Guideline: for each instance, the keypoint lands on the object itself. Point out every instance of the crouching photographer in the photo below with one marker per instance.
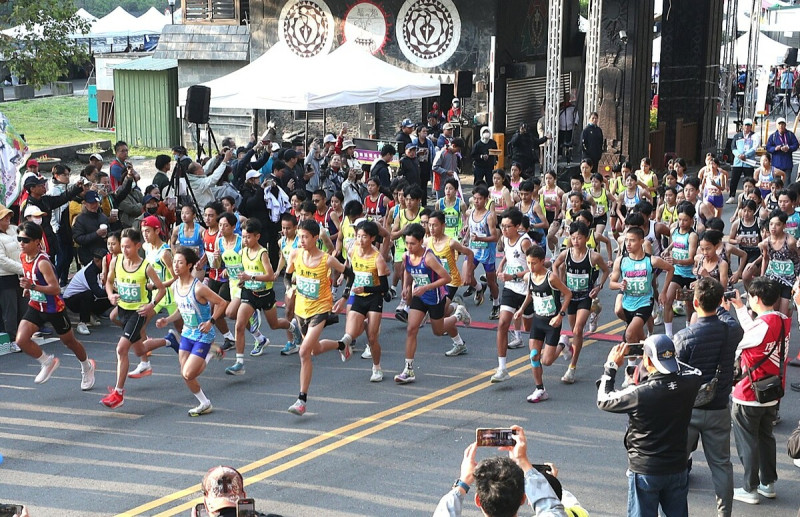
(224, 496)
(503, 484)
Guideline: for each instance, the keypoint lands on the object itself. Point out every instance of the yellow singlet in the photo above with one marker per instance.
(314, 294)
(254, 266)
(447, 256)
(365, 269)
(131, 285)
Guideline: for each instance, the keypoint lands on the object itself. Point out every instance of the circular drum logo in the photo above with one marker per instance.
(365, 25)
(428, 31)
(306, 26)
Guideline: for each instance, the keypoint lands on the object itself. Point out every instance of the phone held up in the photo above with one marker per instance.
(494, 437)
(246, 508)
(634, 350)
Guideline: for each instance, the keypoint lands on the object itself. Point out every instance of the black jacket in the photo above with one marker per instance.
(84, 232)
(47, 204)
(659, 409)
(402, 140)
(708, 343)
(409, 169)
(592, 143)
(380, 170)
(480, 149)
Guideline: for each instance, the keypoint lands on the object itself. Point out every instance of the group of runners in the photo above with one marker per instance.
(536, 249)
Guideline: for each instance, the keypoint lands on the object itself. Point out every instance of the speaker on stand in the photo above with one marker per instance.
(463, 84)
(198, 101)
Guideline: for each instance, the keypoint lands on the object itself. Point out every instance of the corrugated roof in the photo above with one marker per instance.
(147, 63)
(205, 42)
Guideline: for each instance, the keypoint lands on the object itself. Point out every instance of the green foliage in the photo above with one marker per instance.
(653, 119)
(584, 8)
(45, 53)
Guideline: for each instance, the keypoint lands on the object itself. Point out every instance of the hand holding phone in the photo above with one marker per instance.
(246, 508)
(494, 437)
(634, 350)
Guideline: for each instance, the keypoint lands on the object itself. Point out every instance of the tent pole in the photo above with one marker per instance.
(305, 137)
(324, 121)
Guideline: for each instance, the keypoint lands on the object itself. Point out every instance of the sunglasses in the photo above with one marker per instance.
(24, 240)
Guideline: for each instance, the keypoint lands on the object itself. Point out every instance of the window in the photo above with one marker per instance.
(313, 115)
(228, 12)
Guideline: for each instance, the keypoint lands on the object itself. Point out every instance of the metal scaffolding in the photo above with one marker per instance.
(592, 58)
(752, 60)
(553, 93)
(727, 74)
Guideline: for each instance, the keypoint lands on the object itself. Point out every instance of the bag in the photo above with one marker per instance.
(769, 389)
(708, 389)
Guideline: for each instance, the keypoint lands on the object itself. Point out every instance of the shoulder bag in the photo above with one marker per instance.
(769, 389)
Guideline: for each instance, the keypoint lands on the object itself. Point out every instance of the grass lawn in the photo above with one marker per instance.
(64, 120)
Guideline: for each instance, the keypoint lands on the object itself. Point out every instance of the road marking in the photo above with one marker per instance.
(342, 434)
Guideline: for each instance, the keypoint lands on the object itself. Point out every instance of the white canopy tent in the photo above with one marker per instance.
(153, 20)
(770, 52)
(117, 23)
(321, 85)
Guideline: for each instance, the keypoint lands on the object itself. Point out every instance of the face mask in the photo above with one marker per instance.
(175, 157)
(152, 210)
(37, 220)
(485, 138)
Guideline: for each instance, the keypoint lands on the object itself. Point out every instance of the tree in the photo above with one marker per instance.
(43, 52)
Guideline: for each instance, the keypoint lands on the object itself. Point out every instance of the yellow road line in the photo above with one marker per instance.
(342, 434)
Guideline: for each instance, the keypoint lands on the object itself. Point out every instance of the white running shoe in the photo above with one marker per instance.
(538, 395)
(298, 408)
(202, 409)
(658, 315)
(367, 353)
(569, 376)
(500, 375)
(14, 347)
(462, 315)
(678, 308)
(377, 375)
(87, 377)
(47, 369)
(458, 349)
(567, 353)
(81, 329)
(593, 322)
(515, 341)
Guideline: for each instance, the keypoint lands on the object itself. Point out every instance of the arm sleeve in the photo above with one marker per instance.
(541, 496)
(608, 399)
(450, 504)
(382, 288)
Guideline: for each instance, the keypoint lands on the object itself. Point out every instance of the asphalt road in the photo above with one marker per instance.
(362, 449)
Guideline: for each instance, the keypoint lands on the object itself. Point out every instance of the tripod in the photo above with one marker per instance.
(211, 138)
(187, 199)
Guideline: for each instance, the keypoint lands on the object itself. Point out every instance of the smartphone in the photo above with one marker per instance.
(494, 437)
(246, 508)
(10, 510)
(635, 350)
(541, 467)
(729, 295)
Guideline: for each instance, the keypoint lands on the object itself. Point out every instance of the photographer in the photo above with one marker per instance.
(502, 484)
(90, 228)
(223, 488)
(659, 409)
(710, 345)
(761, 356)
(201, 184)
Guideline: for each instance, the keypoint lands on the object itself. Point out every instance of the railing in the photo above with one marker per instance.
(221, 12)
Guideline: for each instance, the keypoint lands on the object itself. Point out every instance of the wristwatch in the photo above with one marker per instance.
(562, 314)
(460, 484)
(612, 365)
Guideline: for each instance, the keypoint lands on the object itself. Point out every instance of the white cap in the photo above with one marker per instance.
(97, 156)
(748, 122)
(275, 146)
(32, 210)
(329, 139)
(252, 174)
(780, 120)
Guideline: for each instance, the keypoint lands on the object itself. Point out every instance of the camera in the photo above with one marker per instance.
(729, 295)
(10, 510)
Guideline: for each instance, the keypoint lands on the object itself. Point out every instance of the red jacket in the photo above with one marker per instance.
(761, 336)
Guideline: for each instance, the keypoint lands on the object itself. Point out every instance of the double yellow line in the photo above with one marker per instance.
(342, 436)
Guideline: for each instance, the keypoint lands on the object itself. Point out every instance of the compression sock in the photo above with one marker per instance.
(501, 363)
(201, 397)
(303, 396)
(346, 340)
(240, 358)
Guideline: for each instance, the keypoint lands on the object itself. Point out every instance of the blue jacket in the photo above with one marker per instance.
(782, 159)
(746, 146)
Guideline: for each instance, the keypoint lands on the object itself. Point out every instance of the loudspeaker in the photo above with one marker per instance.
(463, 83)
(198, 99)
(791, 57)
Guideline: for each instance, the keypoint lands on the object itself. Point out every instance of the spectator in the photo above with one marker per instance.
(110, 201)
(162, 209)
(445, 165)
(163, 173)
(12, 305)
(59, 220)
(349, 160)
(409, 166)
(710, 345)
(245, 163)
(426, 151)
(85, 294)
(522, 148)
(181, 157)
(781, 144)
(659, 409)
(380, 169)
(568, 122)
(743, 146)
(455, 111)
(333, 176)
(151, 207)
(434, 125)
(90, 228)
(282, 177)
(483, 163)
(353, 188)
(296, 169)
(222, 487)
(592, 141)
(403, 136)
(202, 184)
(36, 197)
(502, 484)
(96, 160)
(446, 137)
(118, 164)
(762, 353)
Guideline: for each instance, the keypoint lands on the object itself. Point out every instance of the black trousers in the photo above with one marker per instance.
(737, 173)
(85, 305)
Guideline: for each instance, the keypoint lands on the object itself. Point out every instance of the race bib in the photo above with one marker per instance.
(234, 271)
(577, 281)
(129, 293)
(544, 305)
(363, 279)
(637, 286)
(420, 279)
(451, 221)
(308, 287)
(680, 254)
(190, 319)
(446, 264)
(514, 270)
(479, 245)
(781, 268)
(255, 285)
(38, 296)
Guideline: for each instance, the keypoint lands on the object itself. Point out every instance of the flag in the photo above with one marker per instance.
(13, 151)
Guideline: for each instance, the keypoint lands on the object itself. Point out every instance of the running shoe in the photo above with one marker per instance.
(515, 341)
(298, 408)
(367, 353)
(14, 347)
(495, 314)
(202, 409)
(458, 300)
(82, 329)
(114, 399)
(254, 323)
(377, 375)
(141, 371)
(593, 322)
(406, 377)
(731, 201)
(393, 292)
(297, 336)
(767, 491)
(48, 367)
(479, 294)
(235, 369)
(469, 292)
(401, 314)
(258, 347)
(462, 315)
(347, 353)
(94, 321)
(228, 343)
(290, 348)
(658, 315)
(387, 296)
(567, 352)
(569, 376)
(173, 340)
(742, 495)
(458, 349)
(87, 377)
(500, 375)
(538, 395)
(678, 308)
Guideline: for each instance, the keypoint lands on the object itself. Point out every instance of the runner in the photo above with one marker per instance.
(424, 281)
(602, 202)
(398, 204)
(746, 235)
(376, 205)
(529, 206)
(311, 268)
(633, 275)
(546, 291)
(288, 242)
(370, 284)
(647, 178)
(577, 265)
(194, 300)
(681, 255)
(212, 261)
(128, 274)
(499, 192)
(454, 209)
(512, 266)
(779, 259)
(483, 237)
(409, 215)
(40, 284)
(256, 281)
(515, 181)
(325, 216)
(550, 199)
(189, 233)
